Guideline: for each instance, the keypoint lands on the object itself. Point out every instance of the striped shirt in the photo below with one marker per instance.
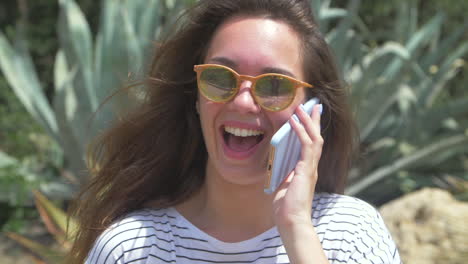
(350, 230)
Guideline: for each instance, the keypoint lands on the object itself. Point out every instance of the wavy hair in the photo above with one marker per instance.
(156, 153)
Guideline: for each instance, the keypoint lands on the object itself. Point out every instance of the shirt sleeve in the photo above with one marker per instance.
(127, 241)
(107, 249)
(373, 243)
(352, 231)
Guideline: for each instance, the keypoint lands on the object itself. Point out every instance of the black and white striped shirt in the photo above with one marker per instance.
(350, 230)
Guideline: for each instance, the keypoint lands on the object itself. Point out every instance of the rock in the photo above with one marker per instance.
(429, 226)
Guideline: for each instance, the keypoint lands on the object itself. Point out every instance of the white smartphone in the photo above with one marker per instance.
(285, 150)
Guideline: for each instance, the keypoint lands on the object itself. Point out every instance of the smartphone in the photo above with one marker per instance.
(285, 150)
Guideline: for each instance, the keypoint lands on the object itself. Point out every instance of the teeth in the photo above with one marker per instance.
(240, 132)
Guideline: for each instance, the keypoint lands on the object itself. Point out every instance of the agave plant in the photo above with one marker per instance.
(395, 82)
(405, 130)
(86, 71)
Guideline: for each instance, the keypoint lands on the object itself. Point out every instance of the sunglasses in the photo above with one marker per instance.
(272, 91)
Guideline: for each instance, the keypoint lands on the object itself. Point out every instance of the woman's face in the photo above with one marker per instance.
(250, 46)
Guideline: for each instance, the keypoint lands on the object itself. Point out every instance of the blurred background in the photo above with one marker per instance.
(404, 60)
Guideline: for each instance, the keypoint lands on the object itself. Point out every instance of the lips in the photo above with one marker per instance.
(240, 140)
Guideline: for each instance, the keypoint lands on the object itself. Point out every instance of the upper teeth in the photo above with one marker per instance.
(240, 132)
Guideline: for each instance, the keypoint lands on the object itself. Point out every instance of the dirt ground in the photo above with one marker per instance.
(12, 253)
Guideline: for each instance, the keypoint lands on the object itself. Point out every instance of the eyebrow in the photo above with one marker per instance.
(278, 70)
(223, 61)
(231, 64)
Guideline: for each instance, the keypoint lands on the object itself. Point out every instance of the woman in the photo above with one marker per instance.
(181, 178)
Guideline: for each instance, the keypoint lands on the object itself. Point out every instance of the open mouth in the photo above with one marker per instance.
(240, 139)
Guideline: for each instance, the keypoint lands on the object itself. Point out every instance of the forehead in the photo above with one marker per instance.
(256, 42)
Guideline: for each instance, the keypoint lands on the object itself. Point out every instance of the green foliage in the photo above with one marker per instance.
(57, 223)
(15, 123)
(86, 70)
(396, 86)
(410, 125)
(18, 177)
(16, 218)
(31, 155)
(82, 77)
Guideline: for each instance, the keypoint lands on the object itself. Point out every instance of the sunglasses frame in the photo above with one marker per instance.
(239, 78)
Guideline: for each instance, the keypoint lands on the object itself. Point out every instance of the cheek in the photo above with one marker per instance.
(300, 96)
(208, 112)
(279, 118)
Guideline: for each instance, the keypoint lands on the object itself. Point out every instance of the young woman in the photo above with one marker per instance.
(180, 180)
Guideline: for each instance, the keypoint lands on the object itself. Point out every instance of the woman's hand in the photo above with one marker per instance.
(292, 203)
(293, 200)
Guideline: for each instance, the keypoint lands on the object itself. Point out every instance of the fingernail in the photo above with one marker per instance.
(320, 108)
(295, 118)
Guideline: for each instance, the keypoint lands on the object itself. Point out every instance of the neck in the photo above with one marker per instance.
(228, 211)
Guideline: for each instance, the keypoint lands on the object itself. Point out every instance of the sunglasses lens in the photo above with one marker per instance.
(274, 92)
(217, 84)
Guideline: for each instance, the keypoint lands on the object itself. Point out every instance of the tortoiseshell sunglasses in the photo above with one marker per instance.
(272, 91)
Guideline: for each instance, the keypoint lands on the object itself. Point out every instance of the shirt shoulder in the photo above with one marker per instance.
(133, 237)
(341, 206)
(352, 231)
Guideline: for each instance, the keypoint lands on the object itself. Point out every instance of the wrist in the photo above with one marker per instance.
(294, 222)
(301, 242)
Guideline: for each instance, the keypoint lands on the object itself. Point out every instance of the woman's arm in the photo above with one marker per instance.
(302, 244)
(293, 201)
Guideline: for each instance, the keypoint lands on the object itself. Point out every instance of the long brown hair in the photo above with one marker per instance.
(156, 153)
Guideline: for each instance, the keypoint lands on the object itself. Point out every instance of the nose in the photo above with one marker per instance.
(244, 102)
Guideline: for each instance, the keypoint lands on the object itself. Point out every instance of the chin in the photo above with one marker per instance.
(243, 175)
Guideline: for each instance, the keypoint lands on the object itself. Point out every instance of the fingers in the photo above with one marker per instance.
(309, 130)
(281, 192)
(293, 199)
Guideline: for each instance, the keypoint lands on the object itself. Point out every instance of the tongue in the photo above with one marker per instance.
(241, 143)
